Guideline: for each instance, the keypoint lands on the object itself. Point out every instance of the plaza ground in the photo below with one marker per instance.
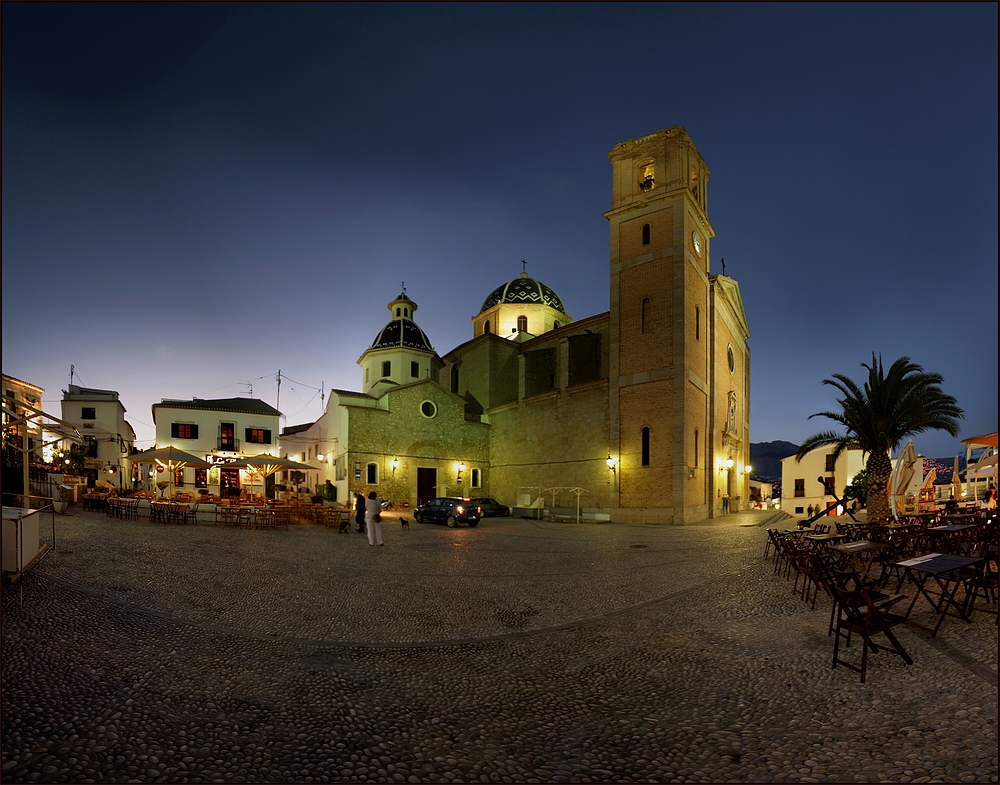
(518, 651)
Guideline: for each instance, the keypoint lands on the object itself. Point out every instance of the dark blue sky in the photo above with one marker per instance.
(196, 196)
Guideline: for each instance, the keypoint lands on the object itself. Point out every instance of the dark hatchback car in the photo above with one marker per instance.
(491, 508)
(448, 510)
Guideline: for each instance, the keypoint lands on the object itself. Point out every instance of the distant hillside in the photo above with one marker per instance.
(765, 458)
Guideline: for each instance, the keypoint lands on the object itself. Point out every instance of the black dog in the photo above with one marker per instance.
(405, 524)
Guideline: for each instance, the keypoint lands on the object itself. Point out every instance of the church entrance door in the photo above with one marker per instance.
(426, 484)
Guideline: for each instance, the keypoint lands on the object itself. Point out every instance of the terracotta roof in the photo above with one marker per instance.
(241, 405)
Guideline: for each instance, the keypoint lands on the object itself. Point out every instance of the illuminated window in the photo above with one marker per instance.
(645, 446)
(179, 477)
(386, 369)
(645, 234)
(183, 430)
(201, 478)
(522, 324)
(258, 435)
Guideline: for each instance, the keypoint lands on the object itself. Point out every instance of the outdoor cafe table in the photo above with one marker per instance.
(818, 539)
(948, 572)
(858, 556)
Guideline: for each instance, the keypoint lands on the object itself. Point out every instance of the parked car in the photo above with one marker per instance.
(450, 510)
(491, 507)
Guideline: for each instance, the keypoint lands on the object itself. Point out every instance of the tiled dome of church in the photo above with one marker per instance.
(402, 332)
(523, 290)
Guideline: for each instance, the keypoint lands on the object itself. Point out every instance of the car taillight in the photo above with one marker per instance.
(460, 509)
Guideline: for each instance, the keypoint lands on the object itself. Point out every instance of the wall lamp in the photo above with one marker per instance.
(612, 464)
(461, 468)
(395, 465)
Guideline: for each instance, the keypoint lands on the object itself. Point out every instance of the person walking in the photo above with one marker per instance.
(359, 512)
(373, 519)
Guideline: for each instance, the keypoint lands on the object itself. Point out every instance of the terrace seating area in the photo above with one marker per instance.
(916, 571)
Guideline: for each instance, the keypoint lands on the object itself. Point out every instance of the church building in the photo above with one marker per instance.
(640, 413)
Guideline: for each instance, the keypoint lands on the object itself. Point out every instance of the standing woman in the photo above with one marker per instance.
(373, 519)
(359, 512)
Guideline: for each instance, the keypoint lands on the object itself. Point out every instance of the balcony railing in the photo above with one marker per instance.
(229, 444)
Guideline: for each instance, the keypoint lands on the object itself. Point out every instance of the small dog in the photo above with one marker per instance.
(345, 525)
(405, 524)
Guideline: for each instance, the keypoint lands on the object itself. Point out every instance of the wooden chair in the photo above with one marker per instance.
(281, 519)
(858, 612)
(265, 519)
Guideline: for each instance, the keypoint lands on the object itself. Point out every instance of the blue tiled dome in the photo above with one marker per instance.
(523, 290)
(402, 332)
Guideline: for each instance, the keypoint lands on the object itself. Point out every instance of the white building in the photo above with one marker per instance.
(801, 485)
(806, 483)
(16, 391)
(220, 431)
(100, 418)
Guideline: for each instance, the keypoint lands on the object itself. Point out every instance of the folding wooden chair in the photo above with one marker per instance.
(859, 613)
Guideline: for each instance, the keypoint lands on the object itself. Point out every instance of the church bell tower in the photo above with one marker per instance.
(660, 368)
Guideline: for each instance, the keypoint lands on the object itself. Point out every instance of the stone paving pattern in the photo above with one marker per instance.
(518, 651)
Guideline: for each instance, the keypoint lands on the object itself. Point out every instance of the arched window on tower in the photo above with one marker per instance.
(386, 369)
(454, 379)
(486, 327)
(645, 446)
(696, 448)
(647, 174)
(645, 234)
(697, 323)
(644, 315)
(522, 324)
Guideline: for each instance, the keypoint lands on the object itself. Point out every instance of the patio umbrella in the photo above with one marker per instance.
(901, 477)
(266, 465)
(171, 459)
(956, 481)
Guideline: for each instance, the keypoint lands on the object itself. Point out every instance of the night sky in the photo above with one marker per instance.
(196, 196)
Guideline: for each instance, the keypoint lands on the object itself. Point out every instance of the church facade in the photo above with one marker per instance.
(640, 413)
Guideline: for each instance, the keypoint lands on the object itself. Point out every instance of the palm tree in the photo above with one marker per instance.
(891, 407)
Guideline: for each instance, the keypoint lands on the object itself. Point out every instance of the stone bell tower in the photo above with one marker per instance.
(660, 392)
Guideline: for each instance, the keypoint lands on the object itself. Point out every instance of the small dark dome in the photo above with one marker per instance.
(402, 332)
(523, 290)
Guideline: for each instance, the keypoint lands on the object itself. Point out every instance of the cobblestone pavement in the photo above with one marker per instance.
(518, 651)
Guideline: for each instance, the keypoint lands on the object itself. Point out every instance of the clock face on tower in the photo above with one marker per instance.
(696, 242)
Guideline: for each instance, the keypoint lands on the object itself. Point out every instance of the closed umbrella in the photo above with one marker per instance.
(171, 459)
(901, 477)
(956, 482)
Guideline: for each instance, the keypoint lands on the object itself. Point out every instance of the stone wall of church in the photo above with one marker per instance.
(652, 485)
(378, 436)
(646, 335)
(559, 438)
(732, 483)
